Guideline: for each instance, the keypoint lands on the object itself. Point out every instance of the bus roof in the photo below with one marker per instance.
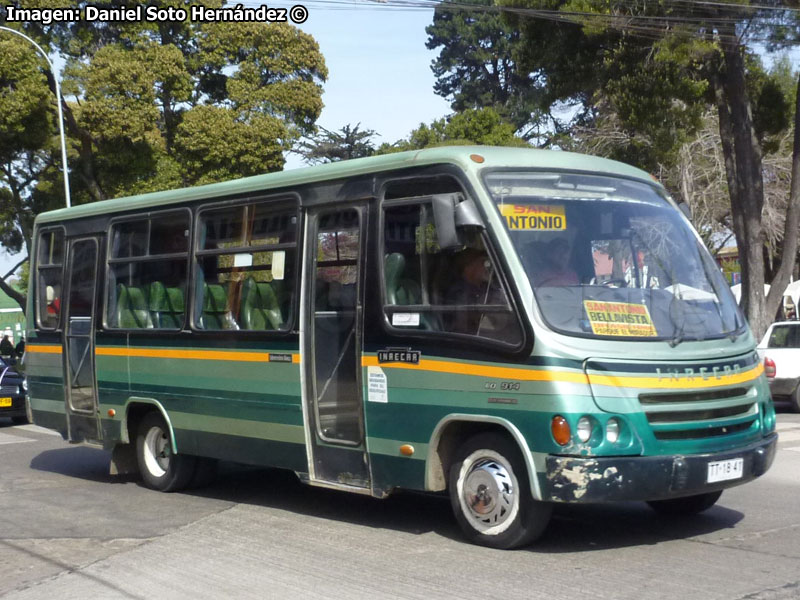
(459, 155)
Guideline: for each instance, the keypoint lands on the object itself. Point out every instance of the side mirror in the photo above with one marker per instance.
(467, 215)
(452, 214)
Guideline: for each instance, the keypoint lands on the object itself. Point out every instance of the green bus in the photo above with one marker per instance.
(514, 327)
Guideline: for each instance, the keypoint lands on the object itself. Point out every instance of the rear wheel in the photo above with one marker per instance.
(688, 505)
(159, 467)
(491, 495)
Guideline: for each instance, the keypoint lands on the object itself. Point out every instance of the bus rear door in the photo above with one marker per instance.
(81, 388)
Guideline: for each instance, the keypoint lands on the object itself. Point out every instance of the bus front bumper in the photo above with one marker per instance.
(609, 479)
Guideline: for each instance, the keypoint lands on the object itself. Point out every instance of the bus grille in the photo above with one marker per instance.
(680, 416)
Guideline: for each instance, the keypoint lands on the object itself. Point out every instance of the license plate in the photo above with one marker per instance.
(5, 402)
(723, 470)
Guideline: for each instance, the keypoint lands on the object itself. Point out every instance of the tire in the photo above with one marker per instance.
(688, 505)
(23, 420)
(491, 496)
(159, 467)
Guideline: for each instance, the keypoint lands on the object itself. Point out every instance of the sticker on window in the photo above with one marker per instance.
(278, 264)
(405, 319)
(619, 318)
(243, 260)
(534, 217)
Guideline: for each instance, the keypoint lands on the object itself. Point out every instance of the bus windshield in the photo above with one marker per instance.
(610, 257)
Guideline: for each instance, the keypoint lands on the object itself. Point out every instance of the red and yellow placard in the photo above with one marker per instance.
(534, 217)
(619, 318)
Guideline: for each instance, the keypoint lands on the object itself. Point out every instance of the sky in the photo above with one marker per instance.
(379, 73)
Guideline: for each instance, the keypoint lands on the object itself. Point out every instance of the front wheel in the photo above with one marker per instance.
(159, 467)
(688, 505)
(491, 496)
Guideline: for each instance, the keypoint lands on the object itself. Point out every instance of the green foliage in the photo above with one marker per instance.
(344, 144)
(27, 131)
(477, 64)
(216, 144)
(655, 77)
(25, 101)
(483, 127)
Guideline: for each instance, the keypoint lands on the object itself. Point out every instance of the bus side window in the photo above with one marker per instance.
(148, 263)
(49, 269)
(245, 260)
(427, 289)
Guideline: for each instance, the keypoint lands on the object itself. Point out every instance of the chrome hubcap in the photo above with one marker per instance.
(488, 493)
(157, 451)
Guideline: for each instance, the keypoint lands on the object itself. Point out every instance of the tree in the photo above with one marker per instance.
(477, 66)
(483, 127)
(27, 146)
(331, 146)
(658, 65)
(151, 106)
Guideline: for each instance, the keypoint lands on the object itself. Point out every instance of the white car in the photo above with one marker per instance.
(780, 351)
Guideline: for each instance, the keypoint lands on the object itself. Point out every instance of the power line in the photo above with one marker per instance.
(696, 16)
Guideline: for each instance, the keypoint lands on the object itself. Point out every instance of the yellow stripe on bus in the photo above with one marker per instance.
(42, 349)
(441, 366)
(190, 354)
(692, 382)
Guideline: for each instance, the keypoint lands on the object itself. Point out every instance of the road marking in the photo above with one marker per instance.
(794, 449)
(7, 438)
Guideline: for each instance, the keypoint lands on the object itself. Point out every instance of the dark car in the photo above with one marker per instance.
(12, 393)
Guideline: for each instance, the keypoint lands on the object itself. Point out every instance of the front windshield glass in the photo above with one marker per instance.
(610, 257)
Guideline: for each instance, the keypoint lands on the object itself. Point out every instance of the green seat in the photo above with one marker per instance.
(216, 313)
(166, 306)
(398, 290)
(394, 265)
(132, 311)
(260, 307)
(405, 292)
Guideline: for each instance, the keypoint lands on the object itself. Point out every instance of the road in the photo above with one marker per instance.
(70, 530)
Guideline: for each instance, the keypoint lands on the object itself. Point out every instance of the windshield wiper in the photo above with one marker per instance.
(678, 337)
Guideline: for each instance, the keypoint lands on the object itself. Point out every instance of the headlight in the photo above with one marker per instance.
(584, 429)
(612, 430)
(24, 386)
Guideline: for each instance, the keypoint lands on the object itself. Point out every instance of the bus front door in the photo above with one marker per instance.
(331, 348)
(81, 392)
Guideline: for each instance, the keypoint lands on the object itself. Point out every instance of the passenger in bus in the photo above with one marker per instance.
(555, 269)
(53, 302)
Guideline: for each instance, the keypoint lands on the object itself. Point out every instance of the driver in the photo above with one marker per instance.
(556, 270)
(470, 290)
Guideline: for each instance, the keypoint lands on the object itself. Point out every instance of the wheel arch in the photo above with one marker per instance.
(135, 410)
(453, 430)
